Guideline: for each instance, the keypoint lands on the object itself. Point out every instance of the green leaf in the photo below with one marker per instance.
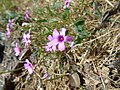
(75, 29)
(10, 14)
(57, 5)
(78, 26)
(79, 22)
(53, 20)
(43, 20)
(67, 10)
(64, 16)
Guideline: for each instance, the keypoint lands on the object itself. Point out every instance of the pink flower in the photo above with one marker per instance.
(8, 31)
(28, 66)
(45, 75)
(66, 3)
(10, 22)
(26, 15)
(9, 27)
(26, 38)
(57, 39)
(17, 50)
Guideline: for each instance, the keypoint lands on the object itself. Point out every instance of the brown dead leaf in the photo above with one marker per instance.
(74, 80)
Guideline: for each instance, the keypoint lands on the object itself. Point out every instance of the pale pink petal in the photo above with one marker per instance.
(26, 15)
(25, 66)
(71, 44)
(62, 31)
(8, 34)
(27, 35)
(68, 38)
(8, 31)
(54, 48)
(54, 42)
(30, 70)
(17, 50)
(55, 33)
(48, 48)
(50, 37)
(61, 46)
(27, 61)
(45, 75)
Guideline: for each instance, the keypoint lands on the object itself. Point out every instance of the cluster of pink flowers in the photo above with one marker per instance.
(26, 40)
(57, 40)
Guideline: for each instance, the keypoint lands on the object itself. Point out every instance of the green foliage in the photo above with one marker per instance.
(65, 14)
(78, 28)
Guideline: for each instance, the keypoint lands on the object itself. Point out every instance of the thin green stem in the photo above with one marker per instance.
(60, 76)
(3, 72)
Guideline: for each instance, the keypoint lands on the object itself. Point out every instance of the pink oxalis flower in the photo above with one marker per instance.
(9, 27)
(26, 38)
(17, 50)
(10, 22)
(66, 3)
(45, 75)
(57, 39)
(28, 66)
(8, 31)
(26, 15)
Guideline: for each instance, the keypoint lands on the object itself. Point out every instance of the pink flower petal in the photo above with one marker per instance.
(17, 50)
(54, 42)
(62, 31)
(27, 61)
(45, 75)
(26, 15)
(28, 35)
(50, 37)
(68, 38)
(71, 44)
(30, 70)
(61, 46)
(55, 33)
(54, 48)
(26, 66)
(48, 48)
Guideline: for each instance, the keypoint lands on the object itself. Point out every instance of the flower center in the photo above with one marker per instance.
(60, 38)
(67, 3)
(27, 38)
(30, 65)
